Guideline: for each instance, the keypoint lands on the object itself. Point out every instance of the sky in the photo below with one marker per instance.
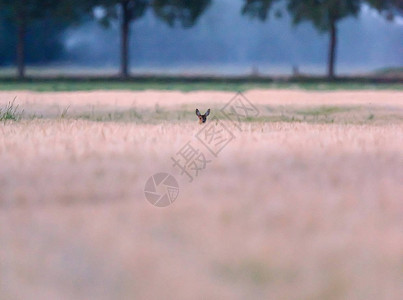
(225, 42)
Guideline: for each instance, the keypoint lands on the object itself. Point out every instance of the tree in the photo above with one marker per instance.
(24, 13)
(128, 11)
(325, 14)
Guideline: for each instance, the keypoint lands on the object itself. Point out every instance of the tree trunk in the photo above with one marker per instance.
(332, 51)
(21, 50)
(124, 64)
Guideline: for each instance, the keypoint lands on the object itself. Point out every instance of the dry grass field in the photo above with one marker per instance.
(306, 202)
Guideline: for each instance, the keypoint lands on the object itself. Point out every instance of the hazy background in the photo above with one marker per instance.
(222, 42)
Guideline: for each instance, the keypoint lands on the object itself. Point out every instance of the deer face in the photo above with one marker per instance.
(202, 118)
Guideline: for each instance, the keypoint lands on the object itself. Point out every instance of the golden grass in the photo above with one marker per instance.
(290, 209)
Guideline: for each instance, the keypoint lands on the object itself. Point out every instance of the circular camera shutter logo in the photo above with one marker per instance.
(161, 189)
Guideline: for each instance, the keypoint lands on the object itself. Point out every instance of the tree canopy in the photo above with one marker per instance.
(258, 8)
(134, 9)
(323, 13)
(388, 8)
(183, 12)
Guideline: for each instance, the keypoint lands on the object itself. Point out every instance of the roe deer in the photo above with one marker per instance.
(202, 118)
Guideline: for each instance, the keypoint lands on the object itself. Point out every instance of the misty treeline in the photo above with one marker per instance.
(30, 30)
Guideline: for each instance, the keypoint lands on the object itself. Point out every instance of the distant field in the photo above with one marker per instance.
(191, 85)
(304, 202)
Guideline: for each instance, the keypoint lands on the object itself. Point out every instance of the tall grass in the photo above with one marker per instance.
(296, 202)
(11, 111)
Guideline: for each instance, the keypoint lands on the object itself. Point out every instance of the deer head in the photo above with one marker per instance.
(202, 118)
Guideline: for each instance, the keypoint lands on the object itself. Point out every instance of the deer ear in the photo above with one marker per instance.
(207, 112)
(197, 112)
